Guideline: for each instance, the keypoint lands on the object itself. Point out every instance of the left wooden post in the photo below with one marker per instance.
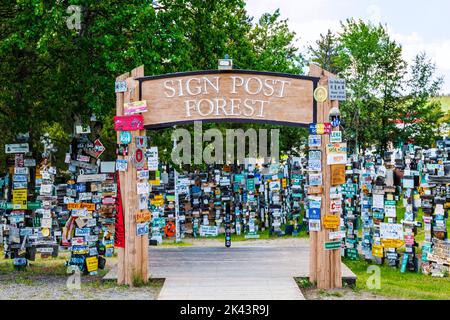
(133, 259)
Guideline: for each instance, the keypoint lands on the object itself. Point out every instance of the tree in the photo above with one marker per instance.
(372, 65)
(53, 76)
(422, 112)
(326, 53)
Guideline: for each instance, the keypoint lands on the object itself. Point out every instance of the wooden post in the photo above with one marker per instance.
(121, 251)
(133, 263)
(325, 265)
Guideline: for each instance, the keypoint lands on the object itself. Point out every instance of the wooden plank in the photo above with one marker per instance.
(120, 251)
(236, 96)
(325, 265)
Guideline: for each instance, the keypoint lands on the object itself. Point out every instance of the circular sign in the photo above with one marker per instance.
(321, 94)
(45, 232)
(125, 137)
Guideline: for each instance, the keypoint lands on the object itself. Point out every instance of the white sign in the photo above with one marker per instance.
(152, 161)
(17, 148)
(337, 235)
(143, 188)
(206, 231)
(336, 137)
(337, 89)
(315, 179)
(314, 225)
(391, 231)
(91, 178)
(121, 86)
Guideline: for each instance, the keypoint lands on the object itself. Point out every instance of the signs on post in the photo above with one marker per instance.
(333, 245)
(336, 137)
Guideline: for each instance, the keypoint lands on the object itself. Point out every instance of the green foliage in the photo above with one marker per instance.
(51, 74)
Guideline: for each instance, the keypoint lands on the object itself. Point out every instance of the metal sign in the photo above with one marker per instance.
(98, 148)
(17, 148)
(333, 245)
(337, 89)
(125, 137)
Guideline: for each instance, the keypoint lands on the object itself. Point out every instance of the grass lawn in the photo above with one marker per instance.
(409, 285)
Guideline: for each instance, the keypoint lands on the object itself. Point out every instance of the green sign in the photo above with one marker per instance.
(250, 184)
(334, 245)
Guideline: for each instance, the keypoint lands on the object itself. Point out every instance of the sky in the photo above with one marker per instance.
(416, 24)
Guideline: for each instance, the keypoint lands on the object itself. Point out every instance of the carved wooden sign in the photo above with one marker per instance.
(235, 96)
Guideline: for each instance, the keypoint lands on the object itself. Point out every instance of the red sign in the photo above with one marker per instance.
(129, 123)
(119, 238)
(328, 128)
(98, 148)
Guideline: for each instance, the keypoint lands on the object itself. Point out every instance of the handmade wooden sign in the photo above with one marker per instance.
(246, 96)
(129, 123)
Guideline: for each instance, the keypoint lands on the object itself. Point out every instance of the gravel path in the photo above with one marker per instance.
(33, 287)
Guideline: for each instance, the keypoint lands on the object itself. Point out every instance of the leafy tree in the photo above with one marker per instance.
(373, 67)
(326, 53)
(422, 112)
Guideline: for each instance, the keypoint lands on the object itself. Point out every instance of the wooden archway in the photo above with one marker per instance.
(223, 96)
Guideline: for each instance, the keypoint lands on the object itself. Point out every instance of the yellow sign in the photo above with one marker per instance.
(377, 250)
(331, 222)
(392, 243)
(92, 264)
(19, 199)
(283, 183)
(321, 94)
(155, 182)
(82, 205)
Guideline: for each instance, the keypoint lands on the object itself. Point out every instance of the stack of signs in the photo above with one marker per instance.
(313, 203)
(90, 200)
(350, 214)
(366, 214)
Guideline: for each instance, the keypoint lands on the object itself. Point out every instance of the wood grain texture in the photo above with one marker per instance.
(229, 96)
(120, 251)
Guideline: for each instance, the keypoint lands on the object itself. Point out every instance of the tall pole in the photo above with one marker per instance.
(177, 206)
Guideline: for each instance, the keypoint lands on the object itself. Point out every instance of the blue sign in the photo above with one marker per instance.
(80, 187)
(312, 128)
(125, 137)
(314, 214)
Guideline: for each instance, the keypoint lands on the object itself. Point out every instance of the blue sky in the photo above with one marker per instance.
(416, 25)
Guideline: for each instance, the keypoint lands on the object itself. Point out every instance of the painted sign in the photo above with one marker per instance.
(337, 174)
(245, 95)
(331, 222)
(135, 107)
(320, 128)
(99, 148)
(377, 251)
(92, 264)
(139, 159)
(143, 216)
(142, 229)
(337, 153)
(129, 123)
(152, 159)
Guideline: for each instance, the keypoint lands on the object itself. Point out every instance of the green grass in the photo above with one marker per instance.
(409, 285)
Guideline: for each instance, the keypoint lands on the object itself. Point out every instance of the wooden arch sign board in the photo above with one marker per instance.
(209, 96)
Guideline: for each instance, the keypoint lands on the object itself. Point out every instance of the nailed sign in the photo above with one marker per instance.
(131, 122)
(17, 148)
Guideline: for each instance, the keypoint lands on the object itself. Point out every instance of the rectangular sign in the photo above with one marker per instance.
(17, 148)
(129, 123)
(135, 107)
(333, 245)
(337, 153)
(337, 89)
(243, 95)
(120, 86)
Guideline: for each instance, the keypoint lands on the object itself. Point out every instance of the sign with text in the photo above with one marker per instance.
(337, 89)
(247, 96)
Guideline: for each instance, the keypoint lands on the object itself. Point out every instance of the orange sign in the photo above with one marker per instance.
(315, 190)
(337, 174)
(81, 205)
(143, 216)
(331, 222)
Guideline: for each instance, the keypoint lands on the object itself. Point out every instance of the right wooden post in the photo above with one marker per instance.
(325, 265)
